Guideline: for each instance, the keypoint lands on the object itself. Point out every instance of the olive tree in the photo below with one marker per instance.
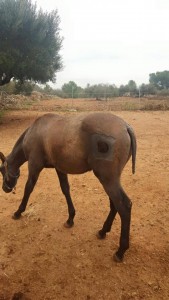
(30, 42)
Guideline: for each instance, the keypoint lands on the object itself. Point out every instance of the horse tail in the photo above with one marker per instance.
(133, 146)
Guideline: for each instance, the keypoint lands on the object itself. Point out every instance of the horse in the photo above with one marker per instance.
(74, 144)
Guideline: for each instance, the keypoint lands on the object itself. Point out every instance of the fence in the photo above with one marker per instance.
(83, 104)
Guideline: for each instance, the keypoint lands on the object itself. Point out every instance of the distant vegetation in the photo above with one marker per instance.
(158, 86)
(30, 45)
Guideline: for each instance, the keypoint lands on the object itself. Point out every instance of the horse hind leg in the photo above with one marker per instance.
(119, 202)
(123, 206)
(108, 223)
(64, 184)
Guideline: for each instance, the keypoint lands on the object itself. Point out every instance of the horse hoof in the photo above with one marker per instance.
(100, 236)
(16, 216)
(68, 225)
(116, 258)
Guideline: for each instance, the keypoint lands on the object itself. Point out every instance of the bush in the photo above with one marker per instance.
(164, 92)
(60, 94)
(8, 88)
(25, 88)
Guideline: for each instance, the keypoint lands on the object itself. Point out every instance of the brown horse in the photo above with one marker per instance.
(101, 142)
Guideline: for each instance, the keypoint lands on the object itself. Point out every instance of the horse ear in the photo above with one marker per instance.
(2, 157)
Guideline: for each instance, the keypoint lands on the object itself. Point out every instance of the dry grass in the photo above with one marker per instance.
(131, 104)
(112, 104)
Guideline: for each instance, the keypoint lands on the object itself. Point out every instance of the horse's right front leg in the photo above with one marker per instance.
(64, 184)
(32, 179)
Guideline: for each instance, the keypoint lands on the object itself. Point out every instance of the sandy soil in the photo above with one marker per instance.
(42, 260)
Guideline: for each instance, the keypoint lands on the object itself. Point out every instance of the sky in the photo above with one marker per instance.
(111, 41)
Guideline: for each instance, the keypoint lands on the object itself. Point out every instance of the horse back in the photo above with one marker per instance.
(76, 143)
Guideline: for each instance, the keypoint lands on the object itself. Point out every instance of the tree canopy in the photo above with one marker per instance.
(29, 42)
(71, 89)
(160, 79)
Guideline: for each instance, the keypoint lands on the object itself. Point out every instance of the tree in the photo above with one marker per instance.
(71, 90)
(48, 90)
(132, 87)
(148, 89)
(29, 42)
(160, 79)
(112, 91)
(101, 91)
(25, 88)
(123, 89)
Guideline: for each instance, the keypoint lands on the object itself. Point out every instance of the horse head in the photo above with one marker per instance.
(9, 179)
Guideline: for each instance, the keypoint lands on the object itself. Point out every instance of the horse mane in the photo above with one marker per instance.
(19, 141)
(17, 152)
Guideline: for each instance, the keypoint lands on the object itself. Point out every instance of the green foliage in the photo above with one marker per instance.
(148, 89)
(104, 91)
(163, 92)
(16, 87)
(60, 93)
(123, 89)
(99, 91)
(128, 89)
(38, 88)
(71, 90)
(30, 42)
(160, 79)
(132, 87)
(48, 90)
(8, 88)
(25, 88)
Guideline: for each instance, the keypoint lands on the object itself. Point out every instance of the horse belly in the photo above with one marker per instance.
(71, 165)
(71, 156)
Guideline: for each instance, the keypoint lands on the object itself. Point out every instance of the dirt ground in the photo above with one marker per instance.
(42, 260)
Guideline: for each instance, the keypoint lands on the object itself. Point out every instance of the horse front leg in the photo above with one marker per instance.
(64, 184)
(30, 184)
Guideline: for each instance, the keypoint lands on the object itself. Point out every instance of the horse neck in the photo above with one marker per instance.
(17, 157)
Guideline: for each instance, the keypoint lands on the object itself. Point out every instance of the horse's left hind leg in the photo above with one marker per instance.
(108, 223)
(121, 204)
(124, 209)
(64, 184)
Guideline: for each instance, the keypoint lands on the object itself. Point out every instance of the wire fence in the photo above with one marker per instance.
(111, 104)
(35, 102)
